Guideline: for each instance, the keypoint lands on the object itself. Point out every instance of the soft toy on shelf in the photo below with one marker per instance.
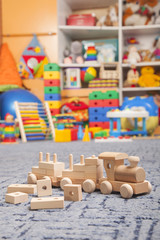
(135, 13)
(148, 78)
(111, 17)
(74, 54)
(145, 55)
(156, 52)
(153, 8)
(107, 53)
(132, 78)
(133, 55)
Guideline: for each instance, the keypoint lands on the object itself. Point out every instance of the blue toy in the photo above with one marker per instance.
(8, 98)
(141, 102)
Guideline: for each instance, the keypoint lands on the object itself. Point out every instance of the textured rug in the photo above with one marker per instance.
(97, 216)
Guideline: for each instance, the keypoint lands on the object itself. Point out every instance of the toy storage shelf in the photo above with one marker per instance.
(141, 30)
(62, 65)
(67, 34)
(135, 89)
(89, 32)
(141, 64)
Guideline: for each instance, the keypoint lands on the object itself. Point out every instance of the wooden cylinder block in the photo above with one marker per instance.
(129, 174)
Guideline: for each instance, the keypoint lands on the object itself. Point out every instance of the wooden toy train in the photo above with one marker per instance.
(127, 180)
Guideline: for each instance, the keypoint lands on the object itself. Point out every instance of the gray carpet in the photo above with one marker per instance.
(97, 216)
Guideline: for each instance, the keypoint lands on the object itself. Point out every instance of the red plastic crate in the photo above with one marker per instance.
(81, 20)
(52, 83)
(111, 103)
(96, 103)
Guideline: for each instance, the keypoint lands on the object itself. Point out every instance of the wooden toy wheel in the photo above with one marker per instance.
(106, 187)
(89, 186)
(65, 181)
(32, 179)
(126, 191)
(149, 187)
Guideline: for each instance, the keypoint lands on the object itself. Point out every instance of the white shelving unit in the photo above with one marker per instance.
(67, 34)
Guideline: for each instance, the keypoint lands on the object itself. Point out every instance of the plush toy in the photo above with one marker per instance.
(156, 52)
(145, 55)
(135, 13)
(132, 78)
(106, 53)
(154, 9)
(133, 55)
(74, 55)
(148, 78)
(111, 17)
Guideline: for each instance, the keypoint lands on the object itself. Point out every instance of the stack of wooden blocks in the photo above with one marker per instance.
(52, 92)
(99, 104)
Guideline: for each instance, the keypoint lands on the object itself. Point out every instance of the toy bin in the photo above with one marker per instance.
(81, 20)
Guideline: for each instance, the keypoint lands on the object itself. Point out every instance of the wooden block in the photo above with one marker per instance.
(44, 187)
(38, 170)
(46, 165)
(79, 167)
(16, 197)
(92, 161)
(91, 169)
(90, 175)
(24, 188)
(71, 174)
(113, 156)
(72, 192)
(47, 203)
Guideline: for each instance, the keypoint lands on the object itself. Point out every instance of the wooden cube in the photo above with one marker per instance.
(25, 188)
(72, 192)
(44, 187)
(16, 197)
(47, 203)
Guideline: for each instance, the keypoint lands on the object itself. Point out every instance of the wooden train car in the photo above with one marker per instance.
(127, 180)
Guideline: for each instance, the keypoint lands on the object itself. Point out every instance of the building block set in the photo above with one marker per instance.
(99, 104)
(86, 175)
(52, 92)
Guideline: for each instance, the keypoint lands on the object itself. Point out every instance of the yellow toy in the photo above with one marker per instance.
(148, 78)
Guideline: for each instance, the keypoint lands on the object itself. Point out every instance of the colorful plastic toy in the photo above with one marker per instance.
(88, 74)
(139, 103)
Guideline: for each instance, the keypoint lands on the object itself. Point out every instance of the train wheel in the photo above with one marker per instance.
(65, 181)
(89, 186)
(149, 187)
(32, 179)
(106, 187)
(126, 191)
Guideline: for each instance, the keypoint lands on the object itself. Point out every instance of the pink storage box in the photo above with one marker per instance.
(81, 20)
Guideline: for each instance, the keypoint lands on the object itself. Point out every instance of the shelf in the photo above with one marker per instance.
(135, 89)
(89, 4)
(141, 30)
(89, 32)
(63, 65)
(141, 64)
(82, 92)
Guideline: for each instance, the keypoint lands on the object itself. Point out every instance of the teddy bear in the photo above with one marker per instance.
(74, 54)
(148, 78)
(132, 78)
(111, 17)
(135, 13)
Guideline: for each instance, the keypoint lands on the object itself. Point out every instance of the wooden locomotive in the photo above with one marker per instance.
(127, 180)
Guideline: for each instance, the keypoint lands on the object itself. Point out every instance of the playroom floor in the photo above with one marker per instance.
(97, 216)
